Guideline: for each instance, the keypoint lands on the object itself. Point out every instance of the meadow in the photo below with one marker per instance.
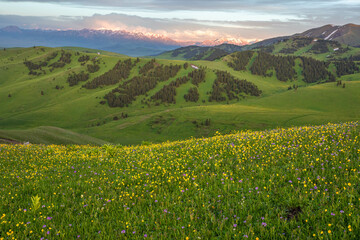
(66, 114)
(285, 183)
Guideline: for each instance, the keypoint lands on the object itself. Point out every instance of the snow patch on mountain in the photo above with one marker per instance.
(331, 34)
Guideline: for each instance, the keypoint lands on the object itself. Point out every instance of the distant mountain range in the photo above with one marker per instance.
(139, 44)
(132, 44)
(303, 42)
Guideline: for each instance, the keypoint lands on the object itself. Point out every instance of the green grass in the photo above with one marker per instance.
(295, 183)
(77, 109)
(49, 135)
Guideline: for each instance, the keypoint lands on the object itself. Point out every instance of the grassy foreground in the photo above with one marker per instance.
(295, 183)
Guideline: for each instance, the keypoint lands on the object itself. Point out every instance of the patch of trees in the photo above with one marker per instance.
(289, 50)
(153, 73)
(319, 47)
(163, 72)
(300, 42)
(225, 83)
(84, 58)
(93, 68)
(149, 65)
(315, 71)
(267, 49)
(74, 78)
(192, 95)
(240, 60)
(345, 68)
(283, 66)
(64, 59)
(120, 71)
(38, 66)
(168, 93)
(216, 54)
(210, 54)
(34, 66)
(51, 56)
(354, 58)
(198, 76)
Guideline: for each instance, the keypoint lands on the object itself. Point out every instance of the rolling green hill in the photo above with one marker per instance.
(129, 100)
(200, 53)
(312, 47)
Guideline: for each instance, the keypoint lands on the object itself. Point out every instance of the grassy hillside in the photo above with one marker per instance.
(200, 53)
(295, 183)
(312, 47)
(157, 111)
(47, 135)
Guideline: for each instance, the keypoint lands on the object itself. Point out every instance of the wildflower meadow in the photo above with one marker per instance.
(294, 183)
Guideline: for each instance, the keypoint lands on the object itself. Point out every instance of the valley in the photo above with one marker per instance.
(124, 100)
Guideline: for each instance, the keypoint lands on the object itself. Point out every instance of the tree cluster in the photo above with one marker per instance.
(345, 68)
(192, 95)
(38, 66)
(164, 72)
(267, 49)
(210, 54)
(84, 58)
(64, 59)
(93, 68)
(319, 47)
(74, 78)
(198, 76)
(225, 83)
(283, 66)
(120, 71)
(316, 71)
(152, 73)
(149, 65)
(168, 93)
(240, 60)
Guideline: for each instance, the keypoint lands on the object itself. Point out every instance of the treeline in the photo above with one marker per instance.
(240, 60)
(120, 71)
(38, 66)
(64, 59)
(319, 47)
(198, 76)
(84, 58)
(192, 95)
(152, 73)
(315, 71)
(94, 67)
(149, 65)
(164, 72)
(345, 68)
(74, 78)
(168, 93)
(283, 66)
(213, 54)
(225, 83)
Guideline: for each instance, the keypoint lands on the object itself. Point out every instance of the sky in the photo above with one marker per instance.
(182, 20)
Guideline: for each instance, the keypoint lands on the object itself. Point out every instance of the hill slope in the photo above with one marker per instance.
(115, 98)
(348, 34)
(200, 53)
(293, 183)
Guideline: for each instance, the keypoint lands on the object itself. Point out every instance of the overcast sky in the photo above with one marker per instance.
(192, 20)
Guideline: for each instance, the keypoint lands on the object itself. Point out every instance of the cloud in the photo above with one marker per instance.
(194, 20)
(196, 5)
